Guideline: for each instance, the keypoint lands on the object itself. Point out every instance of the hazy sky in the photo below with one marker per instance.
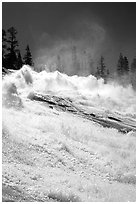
(109, 28)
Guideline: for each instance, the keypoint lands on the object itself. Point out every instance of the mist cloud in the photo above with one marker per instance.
(84, 35)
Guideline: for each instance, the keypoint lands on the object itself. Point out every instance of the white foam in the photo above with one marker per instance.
(107, 96)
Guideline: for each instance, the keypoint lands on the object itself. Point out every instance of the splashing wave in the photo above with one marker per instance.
(84, 90)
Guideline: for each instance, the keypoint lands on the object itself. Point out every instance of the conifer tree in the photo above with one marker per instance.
(133, 73)
(19, 60)
(120, 65)
(12, 48)
(133, 66)
(28, 57)
(4, 46)
(101, 69)
(108, 72)
(102, 72)
(97, 74)
(125, 65)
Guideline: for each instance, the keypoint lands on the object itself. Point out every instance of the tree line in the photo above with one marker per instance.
(124, 71)
(12, 59)
(11, 55)
(123, 67)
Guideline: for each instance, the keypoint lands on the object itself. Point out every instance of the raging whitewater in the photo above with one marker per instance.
(67, 138)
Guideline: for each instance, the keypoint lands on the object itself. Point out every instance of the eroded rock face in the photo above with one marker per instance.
(66, 105)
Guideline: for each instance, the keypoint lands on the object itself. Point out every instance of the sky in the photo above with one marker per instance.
(101, 28)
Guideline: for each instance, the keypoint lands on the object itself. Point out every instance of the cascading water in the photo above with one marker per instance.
(85, 90)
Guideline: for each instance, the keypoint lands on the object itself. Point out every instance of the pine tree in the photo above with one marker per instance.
(125, 65)
(4, 46)
(97, 74)
(120, 65)
(133, 73)
(12, 48)
(28, 57)
(19, 62)
(108, 72)
(102, 72)
(133, 66)
(102, 67)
